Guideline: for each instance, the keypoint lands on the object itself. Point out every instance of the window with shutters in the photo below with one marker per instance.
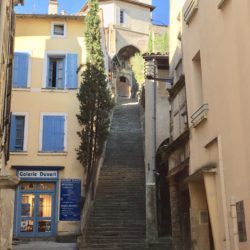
(53, 133)
(56, 72)
(18, 133)
(62, 71)
(20, 75)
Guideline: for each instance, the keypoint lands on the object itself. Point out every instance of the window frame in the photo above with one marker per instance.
(52, 29)
(65, 141)
(122, 17)
(25, 136)
(46, 64)
(57, 59)
(29, 52)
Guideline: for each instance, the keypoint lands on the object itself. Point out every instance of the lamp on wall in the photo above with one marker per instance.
(150, 69)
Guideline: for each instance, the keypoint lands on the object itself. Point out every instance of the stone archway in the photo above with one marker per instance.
(124, 81)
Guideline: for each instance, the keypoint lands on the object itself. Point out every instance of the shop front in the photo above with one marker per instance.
(36, 203)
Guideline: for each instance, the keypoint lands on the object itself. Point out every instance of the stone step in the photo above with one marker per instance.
(118, 218)
(128, 246)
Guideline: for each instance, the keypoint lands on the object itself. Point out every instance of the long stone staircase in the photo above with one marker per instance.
(117, 220)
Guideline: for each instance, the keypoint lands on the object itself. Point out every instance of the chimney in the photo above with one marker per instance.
(53, 7)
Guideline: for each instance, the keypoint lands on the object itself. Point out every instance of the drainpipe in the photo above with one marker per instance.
(151, 210)
(223, 194)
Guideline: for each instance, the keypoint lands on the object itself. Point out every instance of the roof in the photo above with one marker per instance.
(162, 59)
(151, 7)
(57, 16)
(158, 55)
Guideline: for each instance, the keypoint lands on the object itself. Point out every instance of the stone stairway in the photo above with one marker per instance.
(117, 220)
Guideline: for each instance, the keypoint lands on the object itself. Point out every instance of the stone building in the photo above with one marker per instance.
(8, 183)
(127, 26)
(216, 53)
(156, 133)
(211, 38)
(175, 152)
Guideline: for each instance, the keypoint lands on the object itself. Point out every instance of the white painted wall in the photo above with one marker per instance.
(145, 1)
(137, 18)
(108, 13)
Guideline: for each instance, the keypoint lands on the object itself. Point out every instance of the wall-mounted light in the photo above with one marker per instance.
(150, 69)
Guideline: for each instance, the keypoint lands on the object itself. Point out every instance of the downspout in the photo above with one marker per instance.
(154, 118)
(223, 194)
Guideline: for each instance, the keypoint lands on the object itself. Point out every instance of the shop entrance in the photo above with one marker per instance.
(36, 209)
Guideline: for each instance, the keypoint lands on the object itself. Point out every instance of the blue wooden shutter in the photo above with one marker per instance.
(53, 134)
(49, 73)
(71, 75)
(13, 133)
(20, 70)
(59, 133)
(60, 73)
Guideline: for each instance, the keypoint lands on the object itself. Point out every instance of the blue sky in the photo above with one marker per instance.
(160, 14)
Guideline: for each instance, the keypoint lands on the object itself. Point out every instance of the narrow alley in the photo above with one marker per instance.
(118, 217)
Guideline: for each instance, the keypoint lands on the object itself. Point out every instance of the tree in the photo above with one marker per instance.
(94, 98)
(137, 65)
(158, 43)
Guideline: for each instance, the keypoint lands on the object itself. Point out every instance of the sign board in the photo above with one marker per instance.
(37, 174)
(70, 199)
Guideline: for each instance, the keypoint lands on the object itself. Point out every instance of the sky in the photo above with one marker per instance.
(160, 14)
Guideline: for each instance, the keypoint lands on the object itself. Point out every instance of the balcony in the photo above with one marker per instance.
(190, 10)
(199, 116)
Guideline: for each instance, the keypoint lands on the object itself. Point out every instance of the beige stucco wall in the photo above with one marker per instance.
(221, 36)
(35, 100)
(175, 50)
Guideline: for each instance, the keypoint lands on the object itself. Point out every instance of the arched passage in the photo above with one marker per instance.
(123, 86)
(125, 82)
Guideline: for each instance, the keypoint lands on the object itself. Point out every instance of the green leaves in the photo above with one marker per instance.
(94, 98)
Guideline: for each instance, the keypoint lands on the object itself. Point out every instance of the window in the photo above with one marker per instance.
(197, 79)
(53, 133)
(121, 16)
(62, 71)
(20, 70)
(56, 72)
(58, 29)
(18, 133)
(122, 79)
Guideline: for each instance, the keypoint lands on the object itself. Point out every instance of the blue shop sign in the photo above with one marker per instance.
(70, 200)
